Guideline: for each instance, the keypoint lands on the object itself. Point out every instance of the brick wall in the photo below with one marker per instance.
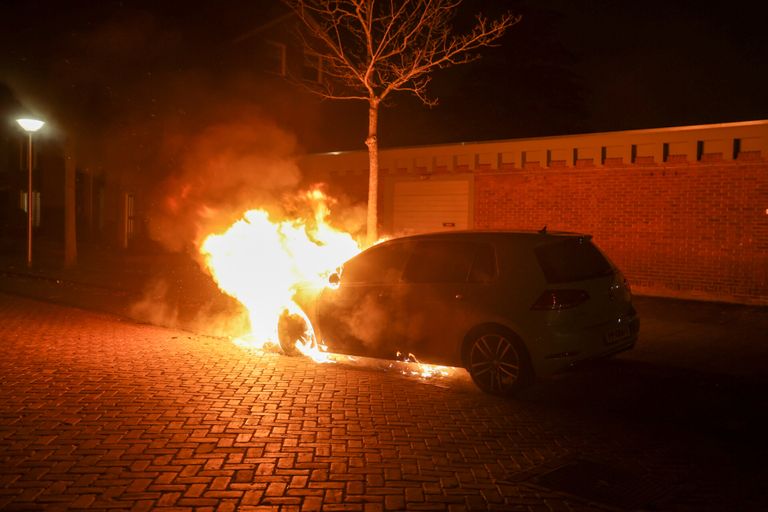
(679, 229)
(682, 210)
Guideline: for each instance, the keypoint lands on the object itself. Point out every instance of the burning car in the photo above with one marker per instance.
(507, 306)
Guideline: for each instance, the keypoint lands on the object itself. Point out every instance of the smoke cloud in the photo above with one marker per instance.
(173, 111)
(224, 170)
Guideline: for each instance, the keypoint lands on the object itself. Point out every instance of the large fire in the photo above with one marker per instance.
(263, 263)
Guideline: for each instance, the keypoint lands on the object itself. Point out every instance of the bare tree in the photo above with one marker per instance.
(369, 49)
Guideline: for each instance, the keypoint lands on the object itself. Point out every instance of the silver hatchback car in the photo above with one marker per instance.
(507, 306)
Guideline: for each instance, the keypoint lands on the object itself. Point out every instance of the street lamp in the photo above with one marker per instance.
(30, 126)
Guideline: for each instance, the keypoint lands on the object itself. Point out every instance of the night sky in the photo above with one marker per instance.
(569, 67)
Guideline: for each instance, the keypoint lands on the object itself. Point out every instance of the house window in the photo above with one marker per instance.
(130, 219)
(100, 208)
(274, 58)
(312, 68)
(35, 206)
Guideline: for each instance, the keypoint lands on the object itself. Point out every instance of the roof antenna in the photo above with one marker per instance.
(543, 231)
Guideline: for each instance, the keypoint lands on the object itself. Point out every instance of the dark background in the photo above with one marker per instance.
(569, 67)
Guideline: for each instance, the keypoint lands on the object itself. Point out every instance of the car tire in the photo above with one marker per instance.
(497, 361)
(290, 328)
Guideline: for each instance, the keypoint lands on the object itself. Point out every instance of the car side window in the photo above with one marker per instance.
(445, 261)
(484, 268)
(379, 264)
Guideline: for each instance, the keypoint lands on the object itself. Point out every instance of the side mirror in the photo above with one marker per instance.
(334, 279)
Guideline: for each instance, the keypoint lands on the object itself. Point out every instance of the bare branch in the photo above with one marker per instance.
(371, 48)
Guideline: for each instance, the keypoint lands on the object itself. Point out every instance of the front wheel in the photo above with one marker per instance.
(497, 361)
(291, 328)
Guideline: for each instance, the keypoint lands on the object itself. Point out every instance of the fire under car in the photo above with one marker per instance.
(509, 307)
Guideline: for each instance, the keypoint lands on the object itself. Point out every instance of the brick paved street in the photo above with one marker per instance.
(100, 413)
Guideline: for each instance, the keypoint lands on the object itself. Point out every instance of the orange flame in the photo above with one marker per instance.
(263, 263)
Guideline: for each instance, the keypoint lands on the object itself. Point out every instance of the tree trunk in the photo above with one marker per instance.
(70, 219)
(373, 172)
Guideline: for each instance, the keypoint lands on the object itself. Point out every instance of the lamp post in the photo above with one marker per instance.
(30, 126)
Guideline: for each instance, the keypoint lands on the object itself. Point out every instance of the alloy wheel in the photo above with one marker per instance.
(494, 363)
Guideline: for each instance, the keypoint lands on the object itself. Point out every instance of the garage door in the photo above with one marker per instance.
(432, 205)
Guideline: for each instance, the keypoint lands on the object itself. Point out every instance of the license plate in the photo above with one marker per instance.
(616, 334)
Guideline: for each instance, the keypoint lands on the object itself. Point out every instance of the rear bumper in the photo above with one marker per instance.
(566, 351)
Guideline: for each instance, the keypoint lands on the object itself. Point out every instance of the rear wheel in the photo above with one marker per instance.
(497, 361)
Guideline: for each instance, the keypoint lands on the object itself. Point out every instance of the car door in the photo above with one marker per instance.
(355, 318)
(446, 286)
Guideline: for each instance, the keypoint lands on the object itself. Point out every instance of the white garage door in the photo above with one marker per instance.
(432, 205)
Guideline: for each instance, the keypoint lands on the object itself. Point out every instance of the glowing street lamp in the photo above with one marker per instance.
(30, 126)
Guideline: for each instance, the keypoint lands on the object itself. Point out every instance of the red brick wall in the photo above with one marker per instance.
(690, 230)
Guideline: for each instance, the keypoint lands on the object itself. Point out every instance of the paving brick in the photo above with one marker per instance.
(100, 413)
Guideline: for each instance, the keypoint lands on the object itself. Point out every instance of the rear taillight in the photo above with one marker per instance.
(560, 299)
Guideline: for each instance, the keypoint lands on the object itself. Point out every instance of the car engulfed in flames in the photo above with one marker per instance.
(506, 306)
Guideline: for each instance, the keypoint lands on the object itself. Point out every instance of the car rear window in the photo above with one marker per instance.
(447, 261)
(572, 259)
